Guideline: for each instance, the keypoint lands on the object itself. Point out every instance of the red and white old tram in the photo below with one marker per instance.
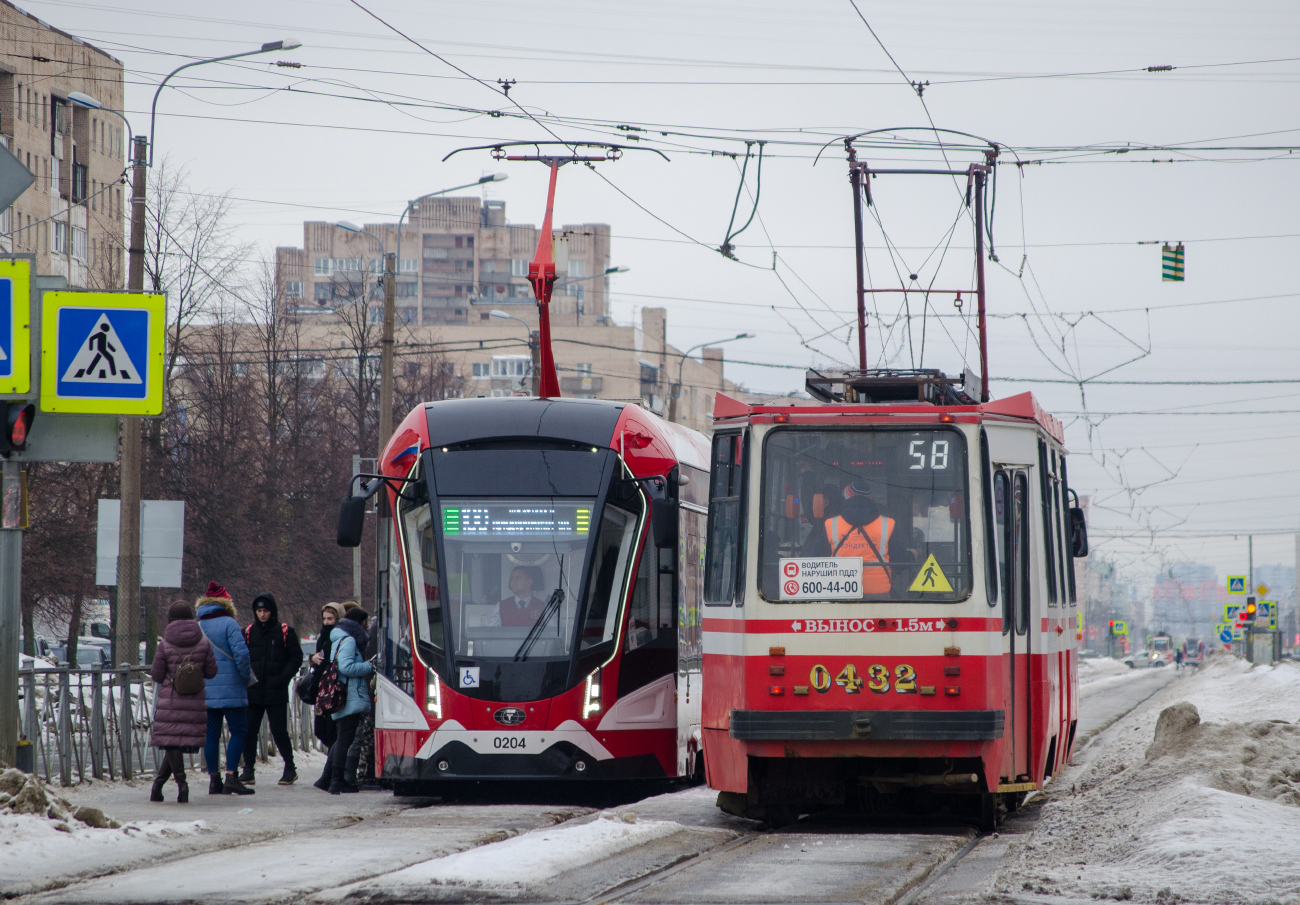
(890, 600)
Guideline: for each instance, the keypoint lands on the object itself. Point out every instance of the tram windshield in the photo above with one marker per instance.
(868, 514)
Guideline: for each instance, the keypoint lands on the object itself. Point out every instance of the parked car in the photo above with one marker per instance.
(88, 655)
(1089, 655)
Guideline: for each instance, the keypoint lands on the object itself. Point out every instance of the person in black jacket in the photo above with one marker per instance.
(276, 655)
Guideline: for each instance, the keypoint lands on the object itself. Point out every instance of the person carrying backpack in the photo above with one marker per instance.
(275, 655)
(348, 677)
(227, 694)
(184, 660)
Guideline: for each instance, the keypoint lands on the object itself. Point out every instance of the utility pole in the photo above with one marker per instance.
(979, 283)
(383, 523)
(126, 611)
(11, 581)
(855, 179)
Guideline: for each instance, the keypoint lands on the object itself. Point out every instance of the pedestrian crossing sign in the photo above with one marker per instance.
(15, 327)
(1236, 584)
(102, 352)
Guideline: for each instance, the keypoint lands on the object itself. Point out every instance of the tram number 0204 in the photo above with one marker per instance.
(877, 679)
(509, 741)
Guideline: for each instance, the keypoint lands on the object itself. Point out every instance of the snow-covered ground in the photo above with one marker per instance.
(1195, 798)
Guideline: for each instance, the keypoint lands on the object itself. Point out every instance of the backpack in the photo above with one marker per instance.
(284, 633)
(188, 680)
(332, 689)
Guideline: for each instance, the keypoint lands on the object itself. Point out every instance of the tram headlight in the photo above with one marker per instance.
(433, 699)
(591, 695)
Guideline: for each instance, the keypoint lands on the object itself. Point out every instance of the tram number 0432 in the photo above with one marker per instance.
(509, 741)
(877, 679)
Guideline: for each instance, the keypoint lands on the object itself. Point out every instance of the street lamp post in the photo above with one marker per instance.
(534, 366)
(126, 613)
(677, 387)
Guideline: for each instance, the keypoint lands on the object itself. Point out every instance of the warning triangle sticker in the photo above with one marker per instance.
(931, 578)
(102, 358)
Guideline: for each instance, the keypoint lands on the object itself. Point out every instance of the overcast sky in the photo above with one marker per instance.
(363, 125)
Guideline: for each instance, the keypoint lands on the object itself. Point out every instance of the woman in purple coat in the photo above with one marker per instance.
(180, 723)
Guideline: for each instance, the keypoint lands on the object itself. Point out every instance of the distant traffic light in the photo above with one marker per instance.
(1248, 611)
(18, 418)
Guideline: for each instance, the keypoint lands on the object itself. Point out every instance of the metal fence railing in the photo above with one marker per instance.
(95, 723)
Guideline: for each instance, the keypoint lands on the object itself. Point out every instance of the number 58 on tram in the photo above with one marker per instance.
(541, 619)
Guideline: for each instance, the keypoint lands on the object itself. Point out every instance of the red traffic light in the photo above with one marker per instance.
(18, 418)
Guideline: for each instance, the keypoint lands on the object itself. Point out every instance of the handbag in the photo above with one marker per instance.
(307, 686)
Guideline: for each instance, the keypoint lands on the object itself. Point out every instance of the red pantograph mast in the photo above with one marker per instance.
(541, 273)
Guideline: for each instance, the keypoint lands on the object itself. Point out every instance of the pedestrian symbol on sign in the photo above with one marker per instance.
(102, 358)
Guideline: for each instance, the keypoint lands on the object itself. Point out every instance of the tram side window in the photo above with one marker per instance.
(991, 572)
(1069, 555)
(1001, 518)
(1057, 512)
(724, 567)
(423, 576)
(1045, 492)
(609, 563)
(1020, 547)
(650, 615)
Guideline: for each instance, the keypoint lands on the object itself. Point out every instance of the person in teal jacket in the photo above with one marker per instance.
(349, 640)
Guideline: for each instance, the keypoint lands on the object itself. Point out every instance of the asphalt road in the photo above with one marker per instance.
(296, 844)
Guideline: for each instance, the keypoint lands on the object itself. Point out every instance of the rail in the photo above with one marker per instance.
(84, 724)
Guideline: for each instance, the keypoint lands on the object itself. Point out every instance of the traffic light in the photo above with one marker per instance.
(18, 418)
(1248, 611)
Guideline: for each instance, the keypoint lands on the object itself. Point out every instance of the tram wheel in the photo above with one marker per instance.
(989, 812)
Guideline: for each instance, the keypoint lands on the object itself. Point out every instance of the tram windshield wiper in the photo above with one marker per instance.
(552, 607)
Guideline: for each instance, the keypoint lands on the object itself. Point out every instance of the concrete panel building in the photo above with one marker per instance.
(73, 217)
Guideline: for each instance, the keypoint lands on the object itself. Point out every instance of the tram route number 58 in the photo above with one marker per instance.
(877, 679)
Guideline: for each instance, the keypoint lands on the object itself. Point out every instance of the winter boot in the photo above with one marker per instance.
(214, 784)
(234, 787)
(290, 775)
(247, 777)
(164, 771)
(182, 792)
(324, 782)
(339, 785)
(350, 769)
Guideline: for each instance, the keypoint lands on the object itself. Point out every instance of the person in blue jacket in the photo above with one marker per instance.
(227, 694)
(348, 641)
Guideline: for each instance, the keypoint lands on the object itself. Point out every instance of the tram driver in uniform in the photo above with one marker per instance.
(521, 608)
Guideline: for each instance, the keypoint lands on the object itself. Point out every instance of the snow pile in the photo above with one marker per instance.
(536, 856)
(23, 794)
(1165, 812)
(44, 837)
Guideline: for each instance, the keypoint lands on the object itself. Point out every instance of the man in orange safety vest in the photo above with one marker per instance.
(862, 530)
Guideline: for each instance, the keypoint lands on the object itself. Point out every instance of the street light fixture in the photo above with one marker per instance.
(677, 388)
(269, 47)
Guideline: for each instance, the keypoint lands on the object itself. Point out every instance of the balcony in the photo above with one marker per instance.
(581, 384)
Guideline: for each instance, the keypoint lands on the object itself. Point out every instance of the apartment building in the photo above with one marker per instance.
(459, 261)
(72, 218)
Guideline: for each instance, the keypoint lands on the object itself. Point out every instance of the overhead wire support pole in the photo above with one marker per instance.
(978, 173)
(855, 179)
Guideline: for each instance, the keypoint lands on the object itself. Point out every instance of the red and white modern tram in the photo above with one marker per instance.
(890, 599)
(542, 610)
(543, 607)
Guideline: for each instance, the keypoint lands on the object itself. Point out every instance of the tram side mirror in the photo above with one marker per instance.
(1078, 533)
(352, 521)
(663, 517)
